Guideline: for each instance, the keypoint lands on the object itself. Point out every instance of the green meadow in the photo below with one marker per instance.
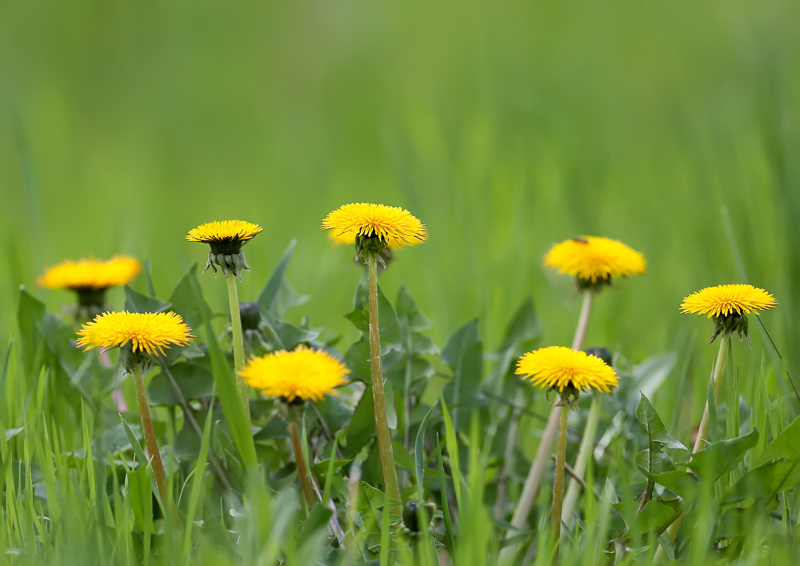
(505, 127)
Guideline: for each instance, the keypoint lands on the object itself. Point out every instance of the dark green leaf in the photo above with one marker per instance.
(408, 311)
(765, 481)
(656, 516)
(464, 354)
(389, 326)
(785, 445)
(287, 335)
(317, 519)
(660, 463)
(720, 457)
(138, 302)
(193, 381)
(647, 415)
(362, 425)
(186, 302)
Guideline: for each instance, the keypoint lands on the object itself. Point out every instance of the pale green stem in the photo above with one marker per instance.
(238, 340)
(558, 482)
(702, 431)
(150, 435)
(378, 396)
(302, 469)
(587, 445)
(534, 479)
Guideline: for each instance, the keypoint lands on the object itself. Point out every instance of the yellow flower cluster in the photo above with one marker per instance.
(90, 274)
(593, 259)
(224, 231)
(724, 300)
(147, 332)
(304, 374)
(559, 367)
(391, 224)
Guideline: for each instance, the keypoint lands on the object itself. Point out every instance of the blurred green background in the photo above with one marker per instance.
(504, 126)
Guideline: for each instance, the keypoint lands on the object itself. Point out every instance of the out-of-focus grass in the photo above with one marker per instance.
(505, 126)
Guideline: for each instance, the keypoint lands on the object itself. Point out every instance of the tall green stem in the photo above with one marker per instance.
(534, 479)
(587, 444)
(150, 435)
(302, 469)
(702, 431)
(558, 482)
(238, 339)
(378, 396)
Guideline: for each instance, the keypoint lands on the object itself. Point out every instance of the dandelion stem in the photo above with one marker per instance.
(558, 482)
(378, 396)
(587, 444)
(702, 431)
(149, 435)
(238, 340)
(302, 469)
(534, 479)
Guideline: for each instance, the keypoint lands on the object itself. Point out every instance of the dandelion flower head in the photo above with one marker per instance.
(304, 373)
(90, 274)
(724, 300)
(146, 332)
(559, 368)
(390, 224)
(593, 259)
(224, 231)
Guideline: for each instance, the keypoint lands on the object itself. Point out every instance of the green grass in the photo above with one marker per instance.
(505, 127)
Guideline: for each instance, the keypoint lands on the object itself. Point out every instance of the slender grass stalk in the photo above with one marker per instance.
(302, 469)
(702, 431)
(558, 482)
(238, 339)
(150, 435)
(587, 444)
(534, 479)
(379, 398)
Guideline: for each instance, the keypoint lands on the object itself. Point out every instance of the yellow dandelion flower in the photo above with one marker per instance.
(724, 300)
(304, 374)
(147, 333)
(225, 231)
(391, 225)
(559, 367)
(226, 239)
(592, 259)
(90, 274)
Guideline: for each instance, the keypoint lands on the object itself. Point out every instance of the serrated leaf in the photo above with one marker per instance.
(765, 481)
(141, 303)
(656, 516)
(288, 335)
(408, 311)
(193, 381)
(659, 464)
(387, 318)
(464, 354)
(720, 457)
(785, 445)
(648, 417)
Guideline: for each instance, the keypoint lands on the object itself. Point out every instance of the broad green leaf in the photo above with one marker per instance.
(277, 296)
(656, 516)
(287, 335)
(362, 425)
(317, 519)
(647, 415)
(464, 354)
(739, 522)
(720, 457)
(193, 381)
(408, 311)
(138, 302)
(682, 483)
(387, 319)
(765, 481)
(785, 445)
(186, 302)
(357, 359)
(658, 464)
